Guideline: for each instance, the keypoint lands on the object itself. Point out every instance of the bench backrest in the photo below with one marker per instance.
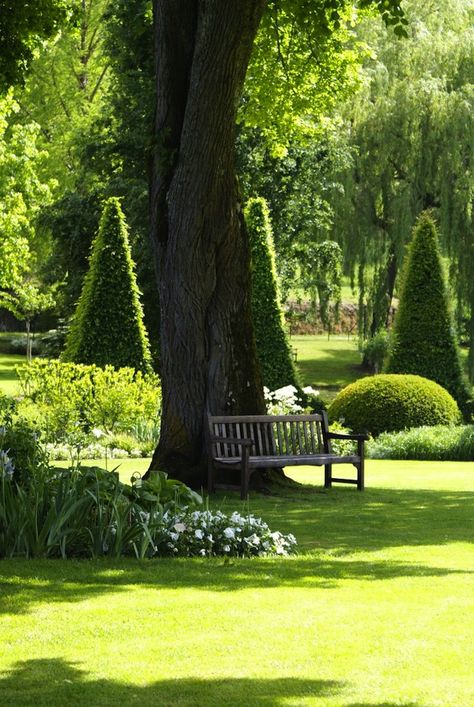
(276, 435)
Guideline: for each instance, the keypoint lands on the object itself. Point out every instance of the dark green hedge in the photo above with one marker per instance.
(390, 402)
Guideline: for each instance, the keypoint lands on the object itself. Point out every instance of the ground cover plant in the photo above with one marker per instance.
(364, 614)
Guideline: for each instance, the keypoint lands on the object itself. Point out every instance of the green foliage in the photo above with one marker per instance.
(323, 273)
(389, 402)
(304, 58)
(25, 304)
(69, 400)
(410, 129)
(375, 350)
(20, 443)
(423, 339)
(439, 443)
(108, 324)
(85, 513)
(23, 25)
(272, 344)
(23, 192)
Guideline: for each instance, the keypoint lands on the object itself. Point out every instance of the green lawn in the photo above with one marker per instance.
(327, 364)
(8, 376)
(377, 610)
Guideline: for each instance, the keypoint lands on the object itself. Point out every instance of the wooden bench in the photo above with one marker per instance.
(249, 442)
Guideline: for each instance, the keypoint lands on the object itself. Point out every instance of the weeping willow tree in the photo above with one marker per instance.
(412, 129)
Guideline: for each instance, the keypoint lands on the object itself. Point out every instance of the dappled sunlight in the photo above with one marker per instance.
(63, 682)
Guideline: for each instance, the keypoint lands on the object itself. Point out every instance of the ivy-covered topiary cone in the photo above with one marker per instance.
(107, 327)
(273, 349)
(392, 402)
(423, 339)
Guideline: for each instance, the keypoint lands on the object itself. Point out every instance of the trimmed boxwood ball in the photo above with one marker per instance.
(391, 402)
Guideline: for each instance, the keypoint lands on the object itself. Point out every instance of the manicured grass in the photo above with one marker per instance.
(8, 377)
(327, 364)
(378, 609)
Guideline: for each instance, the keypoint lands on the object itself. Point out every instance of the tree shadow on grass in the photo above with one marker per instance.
(55, 681)
(332, 526)
(19, 594)
(348, 521)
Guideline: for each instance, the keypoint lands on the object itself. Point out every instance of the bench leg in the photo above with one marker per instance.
(360, 466)
(245, 474)
(327, 476)
(360, 475)
(210, 477)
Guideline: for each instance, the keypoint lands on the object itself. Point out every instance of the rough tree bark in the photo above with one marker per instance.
(208, 355)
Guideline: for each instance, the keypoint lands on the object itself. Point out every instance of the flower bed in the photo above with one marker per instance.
(207, 533)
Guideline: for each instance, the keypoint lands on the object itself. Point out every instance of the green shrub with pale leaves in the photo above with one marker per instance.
(439, 443)
(68, 399)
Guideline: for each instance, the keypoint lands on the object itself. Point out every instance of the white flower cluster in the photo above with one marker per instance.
(207, 533)
(285, 401)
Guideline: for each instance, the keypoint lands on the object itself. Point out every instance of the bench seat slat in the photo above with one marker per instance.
(290, 460)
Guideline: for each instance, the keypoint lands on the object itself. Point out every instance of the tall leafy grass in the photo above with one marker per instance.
(438, 443)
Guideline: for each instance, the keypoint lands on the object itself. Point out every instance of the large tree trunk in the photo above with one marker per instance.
(208, 355)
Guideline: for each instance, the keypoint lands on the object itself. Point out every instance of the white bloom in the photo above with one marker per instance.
(310, 391)
(202, 551)
(198, 534)
(229, 533)
(98, 433)
(179, 527)
(174, 536)
(252, 539)
(226, 548)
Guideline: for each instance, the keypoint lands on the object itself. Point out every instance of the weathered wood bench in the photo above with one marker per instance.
(249, 442)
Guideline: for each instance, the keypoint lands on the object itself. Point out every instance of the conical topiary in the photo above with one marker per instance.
(423, 340)
(273, 349)
(107, 327)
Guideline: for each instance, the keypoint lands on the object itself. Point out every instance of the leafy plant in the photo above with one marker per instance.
(375, 350)
(439, 443)
(84, 512)
(70, 397)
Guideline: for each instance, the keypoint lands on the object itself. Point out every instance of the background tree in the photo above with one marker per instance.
(273, 348)
(410, 129)
(23, 25)
(423, 339)
(23, 192)
(25, 305)
(322, 273)
(108, 324)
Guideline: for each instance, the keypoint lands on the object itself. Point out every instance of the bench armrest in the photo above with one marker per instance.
(232, 440)
(344, 435)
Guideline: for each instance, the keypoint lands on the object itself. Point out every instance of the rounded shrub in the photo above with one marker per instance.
(391, 402)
